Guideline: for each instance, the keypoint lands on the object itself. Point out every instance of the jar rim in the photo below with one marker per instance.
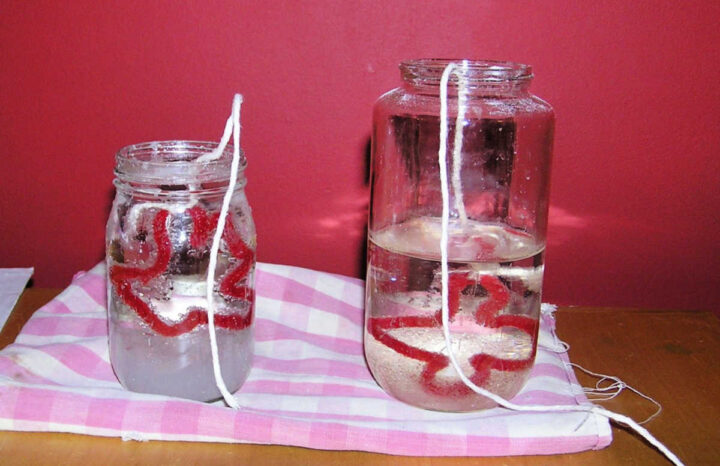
(430, 70)
(174, 162)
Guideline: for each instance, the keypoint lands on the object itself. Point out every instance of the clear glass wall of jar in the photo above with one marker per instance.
(498, 220)
(159, 236)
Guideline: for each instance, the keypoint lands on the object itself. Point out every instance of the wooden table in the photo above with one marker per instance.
(672, 356)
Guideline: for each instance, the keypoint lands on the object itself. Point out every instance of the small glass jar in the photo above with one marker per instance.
(498, 198)
(159, 238)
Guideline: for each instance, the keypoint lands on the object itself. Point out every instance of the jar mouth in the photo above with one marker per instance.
(174, 162)
(428, 71)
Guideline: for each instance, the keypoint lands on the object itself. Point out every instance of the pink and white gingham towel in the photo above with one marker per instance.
(309, 385)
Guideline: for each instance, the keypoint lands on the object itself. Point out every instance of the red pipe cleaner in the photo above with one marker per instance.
(123, 277)
(486, 313)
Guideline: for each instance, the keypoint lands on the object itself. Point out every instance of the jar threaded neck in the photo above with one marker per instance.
(173, 162)
(479, 75)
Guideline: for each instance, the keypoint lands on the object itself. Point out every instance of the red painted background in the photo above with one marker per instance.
(635, 195)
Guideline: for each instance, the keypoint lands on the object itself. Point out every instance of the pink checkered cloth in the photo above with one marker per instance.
(309, 385)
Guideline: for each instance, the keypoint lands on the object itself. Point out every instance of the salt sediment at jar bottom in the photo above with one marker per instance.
(179, 366)
(405, 378)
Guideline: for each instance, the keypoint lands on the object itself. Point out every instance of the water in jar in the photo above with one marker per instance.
(495, 276)
(158, 320)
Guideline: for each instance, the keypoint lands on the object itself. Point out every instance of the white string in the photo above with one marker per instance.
(233, 124)
(603, 392)
(600, 392)
(179, 208)
(445, 220)
(134, 213)
(457, 145)
(558, 345)
(229, 125)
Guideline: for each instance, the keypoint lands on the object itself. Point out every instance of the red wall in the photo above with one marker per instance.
(635, 195)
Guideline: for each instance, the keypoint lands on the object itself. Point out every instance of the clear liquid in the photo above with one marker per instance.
(496, 276)
(147, 362)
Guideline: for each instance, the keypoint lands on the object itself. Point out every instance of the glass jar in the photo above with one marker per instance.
(498, 205)
(159, 238)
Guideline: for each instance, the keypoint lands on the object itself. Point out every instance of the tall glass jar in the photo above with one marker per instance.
(498, 205)
(159, 238)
